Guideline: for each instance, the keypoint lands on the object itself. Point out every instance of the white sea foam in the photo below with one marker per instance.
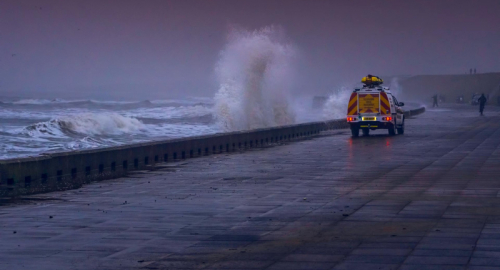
(255, 75)
(86, 123)
(87, 142)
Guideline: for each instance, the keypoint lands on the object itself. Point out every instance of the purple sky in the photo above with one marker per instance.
(169, 48)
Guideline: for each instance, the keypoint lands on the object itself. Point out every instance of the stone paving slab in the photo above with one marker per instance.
(426, 200)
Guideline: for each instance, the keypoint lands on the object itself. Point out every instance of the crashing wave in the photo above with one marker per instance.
(336, 105)
(254, 72)
(86, 123)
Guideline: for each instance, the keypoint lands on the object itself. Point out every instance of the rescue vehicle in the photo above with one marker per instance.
(374, 107)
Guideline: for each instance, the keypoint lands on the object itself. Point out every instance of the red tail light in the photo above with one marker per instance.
(387, 118)
(350, 119)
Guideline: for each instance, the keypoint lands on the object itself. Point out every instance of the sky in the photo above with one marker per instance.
(145, 49)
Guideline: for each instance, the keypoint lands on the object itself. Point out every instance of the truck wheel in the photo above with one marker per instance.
(366, 132)
(355, 131)
(401, 129)
(392, 130)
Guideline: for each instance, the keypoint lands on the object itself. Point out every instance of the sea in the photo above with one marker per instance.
(31, 127)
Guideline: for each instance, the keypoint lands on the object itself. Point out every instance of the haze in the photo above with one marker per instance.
(166, 49)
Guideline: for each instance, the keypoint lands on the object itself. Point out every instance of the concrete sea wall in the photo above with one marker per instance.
(67, 170)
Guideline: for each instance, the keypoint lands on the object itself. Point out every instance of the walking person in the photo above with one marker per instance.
(482, 101)
(435, 98)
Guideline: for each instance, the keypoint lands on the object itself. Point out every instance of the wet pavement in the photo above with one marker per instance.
(428, 199)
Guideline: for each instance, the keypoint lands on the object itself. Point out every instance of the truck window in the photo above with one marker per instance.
(395, 100)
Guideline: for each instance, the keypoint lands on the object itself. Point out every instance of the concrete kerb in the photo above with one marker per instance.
(72, 169)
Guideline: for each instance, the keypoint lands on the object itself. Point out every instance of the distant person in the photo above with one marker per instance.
(474, 71)
(482, 101)
(435, 103)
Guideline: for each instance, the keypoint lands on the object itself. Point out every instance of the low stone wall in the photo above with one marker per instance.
(67, 170)
(411, 113)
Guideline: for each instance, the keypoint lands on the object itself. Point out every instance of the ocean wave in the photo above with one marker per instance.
(87, 142)
(13, 115)
(33, 126)
(38, 101)
(85, 123)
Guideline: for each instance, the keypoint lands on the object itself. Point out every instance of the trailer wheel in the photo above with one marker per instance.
(401, 129)
(355, 131)
(366, 132)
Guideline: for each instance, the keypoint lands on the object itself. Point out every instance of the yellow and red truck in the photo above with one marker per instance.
(374, 107)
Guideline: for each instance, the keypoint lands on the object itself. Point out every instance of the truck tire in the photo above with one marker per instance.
(392, 130)
(401, 129)
(366, 132)
(355, 131)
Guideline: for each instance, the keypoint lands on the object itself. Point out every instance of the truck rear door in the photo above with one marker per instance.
(369, 102)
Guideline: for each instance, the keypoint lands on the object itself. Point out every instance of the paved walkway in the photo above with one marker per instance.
(425, 200)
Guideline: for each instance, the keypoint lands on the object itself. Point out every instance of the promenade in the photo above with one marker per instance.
(428, 199)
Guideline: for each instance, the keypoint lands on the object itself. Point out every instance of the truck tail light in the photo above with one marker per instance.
(350, 119)
(387, 118)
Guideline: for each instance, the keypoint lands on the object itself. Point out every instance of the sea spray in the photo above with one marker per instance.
(255, 75)
(336, 105)
(396, 88)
